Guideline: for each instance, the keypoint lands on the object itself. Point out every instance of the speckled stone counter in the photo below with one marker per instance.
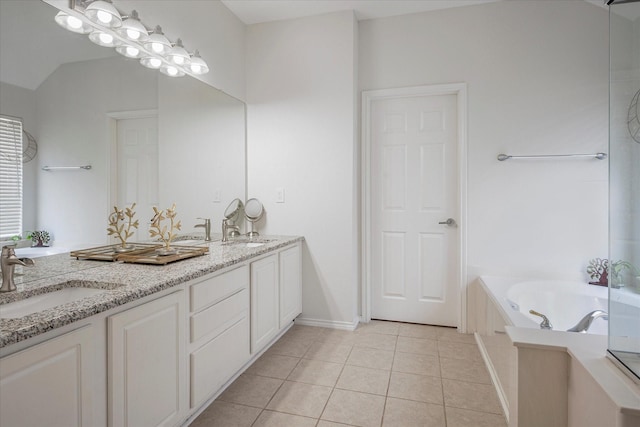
(123, 283)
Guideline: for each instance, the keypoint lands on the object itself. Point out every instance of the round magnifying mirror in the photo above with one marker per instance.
(253, 211)
(232, 215)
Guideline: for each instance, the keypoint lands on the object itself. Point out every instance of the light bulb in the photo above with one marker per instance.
(157, 47)
(132, 51)
(196, 68)
(106, 38)
(178, 60)
(104, 17)
(74, 22)
(133, 34)
(172, 71)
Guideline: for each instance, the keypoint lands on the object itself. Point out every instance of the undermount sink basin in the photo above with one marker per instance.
(46, 301)
(188, 242)
(246, 243)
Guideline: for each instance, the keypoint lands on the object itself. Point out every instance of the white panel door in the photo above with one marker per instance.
(138, 169)
(264, 302)
(414, 170)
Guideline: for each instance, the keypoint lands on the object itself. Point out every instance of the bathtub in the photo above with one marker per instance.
(563, 302)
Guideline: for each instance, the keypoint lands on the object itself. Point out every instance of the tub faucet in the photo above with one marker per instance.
(584, 323)
(545, 324)
(207, 228)
(8, 264)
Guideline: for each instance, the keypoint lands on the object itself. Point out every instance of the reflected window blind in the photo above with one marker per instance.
(10, 177)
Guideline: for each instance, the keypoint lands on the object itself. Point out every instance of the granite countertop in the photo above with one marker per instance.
(123, 282)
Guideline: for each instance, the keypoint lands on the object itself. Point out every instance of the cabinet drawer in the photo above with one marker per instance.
(220, 316)
(218, 360)
(219, 287)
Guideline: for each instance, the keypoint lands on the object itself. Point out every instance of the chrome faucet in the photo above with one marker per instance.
(207, 228)
(229, 229)
(8, 263)
(584, 323)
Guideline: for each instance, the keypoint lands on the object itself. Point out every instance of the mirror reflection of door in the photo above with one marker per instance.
(137, 169)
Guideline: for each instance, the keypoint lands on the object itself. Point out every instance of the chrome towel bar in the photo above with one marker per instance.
(57, 168)
(599, 156)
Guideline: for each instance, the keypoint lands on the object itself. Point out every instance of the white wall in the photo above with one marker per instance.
(301, 135)
(19, 102)
(537, 75)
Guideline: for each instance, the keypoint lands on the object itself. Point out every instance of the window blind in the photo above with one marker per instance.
(10, 177)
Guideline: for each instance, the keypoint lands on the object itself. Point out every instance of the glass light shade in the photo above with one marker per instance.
(157, 42)
(151, 62)
(197, 65)
(129, 51)
(103, 39)
(132, 29)
(103, 13)
(171, 71)
(72, 23)
(179, 55)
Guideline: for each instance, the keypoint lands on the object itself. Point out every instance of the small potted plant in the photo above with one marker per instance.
(617, 272)
(39, 239)
(604, 271)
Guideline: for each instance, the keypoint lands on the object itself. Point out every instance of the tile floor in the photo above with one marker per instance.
(382, 374)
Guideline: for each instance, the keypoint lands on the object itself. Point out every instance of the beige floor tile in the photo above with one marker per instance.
(338, 336)
(457, 350)
(304, 332)
(251, 390)
(295, 347)
(452, 334)
(316, 372)
(367, 380)
(371, 358)
(457, 417)
(325, 423)
(422, 364)
(351, 407)
(418, 331)
(377, 341)
(422, 388)
(273, 365)
(300, 399)
(328, 352)
(466, 395)
(378, 327)
(279, 419)
(464, 370)
(417, 345)
(406, 413)
(226, 414)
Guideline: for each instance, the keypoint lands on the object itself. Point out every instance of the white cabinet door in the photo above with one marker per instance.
(49, 384)
(290, 285)
(147, 364)
(264, 302)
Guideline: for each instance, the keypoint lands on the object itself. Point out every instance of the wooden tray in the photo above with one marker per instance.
(108, 253)
(151, 257)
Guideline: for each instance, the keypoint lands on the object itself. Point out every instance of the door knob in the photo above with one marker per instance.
(450, 222)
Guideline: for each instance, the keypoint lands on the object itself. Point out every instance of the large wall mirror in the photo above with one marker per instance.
(149, 138)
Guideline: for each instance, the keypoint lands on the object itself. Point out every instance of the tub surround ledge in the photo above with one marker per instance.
(596, 387)
(124, 282)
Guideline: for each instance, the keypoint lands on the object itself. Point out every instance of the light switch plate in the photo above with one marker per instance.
(217, 195)
(279, 195)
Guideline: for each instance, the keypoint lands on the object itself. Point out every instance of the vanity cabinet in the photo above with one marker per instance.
(147, 363)
(49, 384)
(290, 284)
(219, 331)
(265, 319)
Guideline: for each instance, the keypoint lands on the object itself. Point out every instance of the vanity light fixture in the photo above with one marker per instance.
(132, 29)
(72, 23)
(103, 12)
(178, 54)
(130, 37)
(197, 65)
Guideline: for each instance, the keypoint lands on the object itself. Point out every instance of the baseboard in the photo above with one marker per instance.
(332, 324)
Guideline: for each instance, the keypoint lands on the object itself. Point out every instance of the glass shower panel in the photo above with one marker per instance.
(624, 186)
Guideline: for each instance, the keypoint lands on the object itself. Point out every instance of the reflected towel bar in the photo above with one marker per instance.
(599, 156)
(57, 168)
